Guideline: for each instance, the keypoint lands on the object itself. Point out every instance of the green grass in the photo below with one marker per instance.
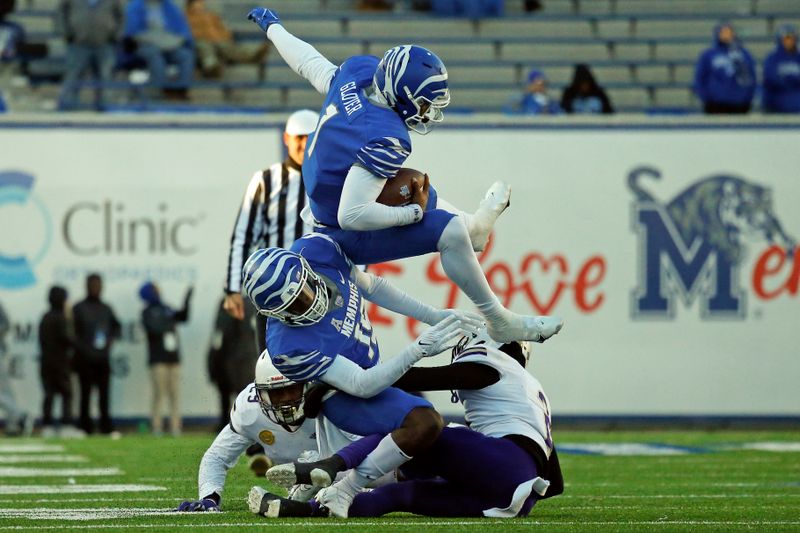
(735, 490)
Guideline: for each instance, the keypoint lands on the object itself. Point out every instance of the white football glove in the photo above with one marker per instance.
(446, 334)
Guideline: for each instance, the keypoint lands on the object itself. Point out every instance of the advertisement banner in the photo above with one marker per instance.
(669, 252)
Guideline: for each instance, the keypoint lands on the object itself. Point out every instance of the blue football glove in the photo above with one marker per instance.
(264, 17)
(198, 506)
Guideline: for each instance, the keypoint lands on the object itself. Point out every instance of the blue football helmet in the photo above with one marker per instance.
(282, 285)
(413, 80)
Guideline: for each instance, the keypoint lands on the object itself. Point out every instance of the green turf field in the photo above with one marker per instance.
(720, 486)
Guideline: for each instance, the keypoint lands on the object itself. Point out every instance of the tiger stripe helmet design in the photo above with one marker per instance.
(274, 280)
(413, 80)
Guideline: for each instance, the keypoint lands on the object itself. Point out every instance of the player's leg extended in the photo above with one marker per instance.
(461, 265)
(423, 497)
(412, 426)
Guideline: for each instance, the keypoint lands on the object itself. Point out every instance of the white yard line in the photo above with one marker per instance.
(53, 458)
(103, 513)
(76, 489)
(31, 448)
(13, 471)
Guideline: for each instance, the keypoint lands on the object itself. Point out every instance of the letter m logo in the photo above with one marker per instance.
(671, 268)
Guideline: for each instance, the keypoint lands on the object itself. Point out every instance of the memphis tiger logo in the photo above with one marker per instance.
(692, 246)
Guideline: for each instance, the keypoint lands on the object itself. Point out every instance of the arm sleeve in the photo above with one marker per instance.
(348, 377)
(248, 227)
(358, 209)
(220, 457)
(303, 58)
(379, 291)
(470, 376)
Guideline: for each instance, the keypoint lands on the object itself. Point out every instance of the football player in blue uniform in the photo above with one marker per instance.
(318, 330)
(362, 140)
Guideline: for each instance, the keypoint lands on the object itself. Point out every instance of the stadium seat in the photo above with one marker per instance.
(307, 29)
(448, 52)
(615, 28)
(271, 97)
(570, 52)
(688, 7)
(653, 74)
(631, 51)
(242, 73)
(298, 98)
(613, 74)
(629, 98)
(677, 27)
(683, 74)
(534, 28)
(480, 98)
(464, 73)
(594, 7)
(279, 72)
(674, 97)
(402, 32)
(766, 7)
(680, 51)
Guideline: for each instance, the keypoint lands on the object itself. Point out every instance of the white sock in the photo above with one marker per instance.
(479, 225)
(461, 265)
(385, 458)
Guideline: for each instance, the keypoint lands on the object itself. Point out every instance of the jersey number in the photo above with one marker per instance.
(330, 112)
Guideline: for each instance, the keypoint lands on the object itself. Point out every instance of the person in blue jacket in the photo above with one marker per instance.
(162, 35)
(725, 75)
(534, 100)
(782, 74)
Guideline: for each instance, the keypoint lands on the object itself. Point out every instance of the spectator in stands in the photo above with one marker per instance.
(232, 356)
(725, 74)
(214, 42)
(782, 74)
(12, 35)
(534, 100)
(55, 343)
(584, 95)
(159, 33)
(96, 327)
(160, 323)
(474, 9)
(92, 29)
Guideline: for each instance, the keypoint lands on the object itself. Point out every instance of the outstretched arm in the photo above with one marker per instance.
(220, 457)
(381, 292)
(298, 54)
(348, 377)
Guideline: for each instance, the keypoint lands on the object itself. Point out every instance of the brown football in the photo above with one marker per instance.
(398, 190)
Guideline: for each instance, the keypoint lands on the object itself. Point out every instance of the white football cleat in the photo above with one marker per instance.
(338, 497)
(524, 328)
(494, 202)
(254, 498)
(318, 474)
(302, 493)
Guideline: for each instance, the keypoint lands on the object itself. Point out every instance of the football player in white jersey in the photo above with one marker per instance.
(260, 415)
(509, 442)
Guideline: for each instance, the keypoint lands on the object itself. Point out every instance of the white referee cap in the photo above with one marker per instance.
(302, 122)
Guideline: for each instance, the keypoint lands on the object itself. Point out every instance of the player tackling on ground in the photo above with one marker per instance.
(362, 140)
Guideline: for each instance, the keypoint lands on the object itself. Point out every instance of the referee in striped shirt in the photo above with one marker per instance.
(270, 213)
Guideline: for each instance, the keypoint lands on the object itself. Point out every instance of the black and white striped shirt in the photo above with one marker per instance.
(269, 216)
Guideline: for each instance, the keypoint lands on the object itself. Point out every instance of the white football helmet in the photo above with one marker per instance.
(281, 399)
